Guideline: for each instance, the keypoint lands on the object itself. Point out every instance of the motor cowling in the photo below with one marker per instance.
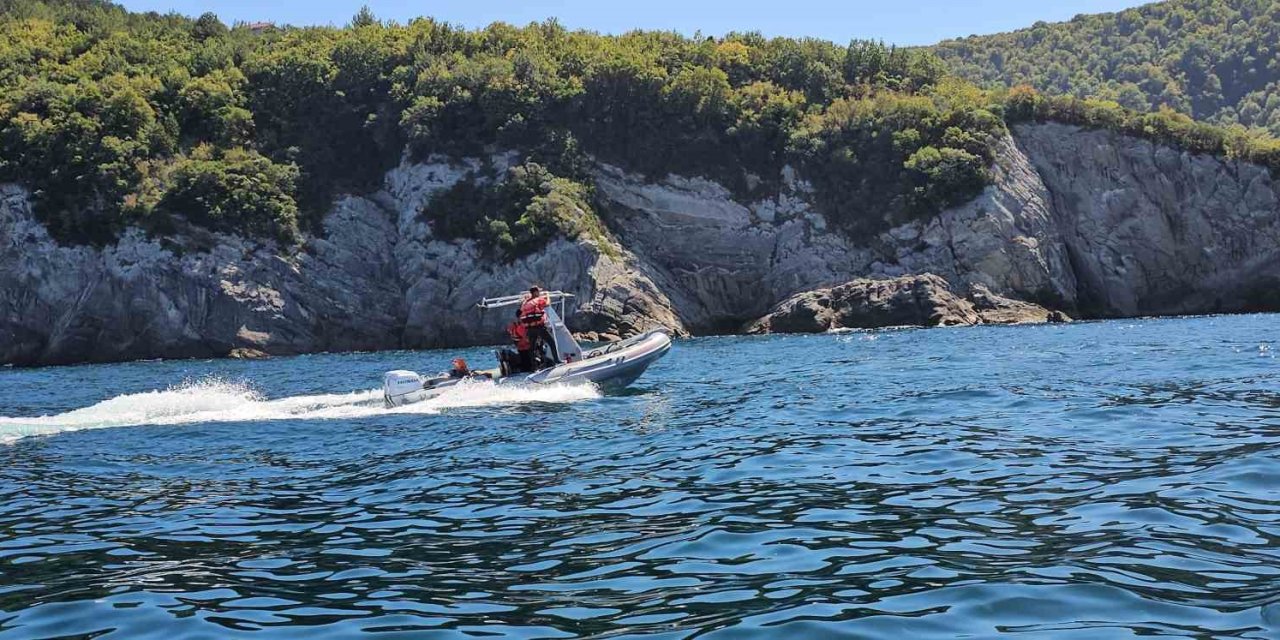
(398, 383)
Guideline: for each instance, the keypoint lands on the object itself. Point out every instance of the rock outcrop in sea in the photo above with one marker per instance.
(921, 300)
(1082, 222)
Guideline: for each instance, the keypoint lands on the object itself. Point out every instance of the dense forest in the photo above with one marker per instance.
(1218, 60)
(115, 118)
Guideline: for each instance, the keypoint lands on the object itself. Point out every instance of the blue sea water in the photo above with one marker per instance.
(1095, 480)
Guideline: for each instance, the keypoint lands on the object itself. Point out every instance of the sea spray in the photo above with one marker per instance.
(484, 393)
(218, 400)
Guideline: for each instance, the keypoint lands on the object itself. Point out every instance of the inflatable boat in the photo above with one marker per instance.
(611, 366)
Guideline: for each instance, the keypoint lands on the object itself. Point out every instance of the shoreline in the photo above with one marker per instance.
(843, 330)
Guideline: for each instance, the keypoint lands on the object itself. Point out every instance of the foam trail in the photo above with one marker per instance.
(486, 393)
(215, 400)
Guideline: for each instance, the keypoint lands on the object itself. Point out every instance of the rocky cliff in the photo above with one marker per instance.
(1087, 222)
(375, 279)
(1150, 230)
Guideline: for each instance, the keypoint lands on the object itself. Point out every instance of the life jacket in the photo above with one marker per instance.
(533, 312)
(519, 336)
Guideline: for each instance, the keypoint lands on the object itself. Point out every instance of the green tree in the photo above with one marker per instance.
(208, 26)
(1203, 57)
(364, 18)
(234, 190)
(114, 118)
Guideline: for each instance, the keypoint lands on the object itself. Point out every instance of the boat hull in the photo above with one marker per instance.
(610, 367)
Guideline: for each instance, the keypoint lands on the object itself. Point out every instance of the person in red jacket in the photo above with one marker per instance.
(524, 346)
(533, 315)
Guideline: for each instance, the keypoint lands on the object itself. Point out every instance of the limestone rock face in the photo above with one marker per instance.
(375, 279)
(920, 300)
(143, 298)
(728, 262)
(1006, 239)
(1075, 221)
(1153, 230)
(1089, 223)
(724, 262)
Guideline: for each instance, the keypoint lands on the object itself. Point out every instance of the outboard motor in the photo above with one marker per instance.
(396, 385)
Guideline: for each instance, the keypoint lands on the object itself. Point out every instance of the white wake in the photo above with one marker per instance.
(216, 400)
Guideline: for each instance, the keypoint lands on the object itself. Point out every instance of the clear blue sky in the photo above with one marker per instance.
(905, 22)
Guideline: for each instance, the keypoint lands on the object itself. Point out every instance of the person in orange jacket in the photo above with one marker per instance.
(533, 315)
(460, 369)
(524, 346)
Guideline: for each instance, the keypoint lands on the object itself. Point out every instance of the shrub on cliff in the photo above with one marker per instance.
(515, 215)
(892, 157)
(235, 191)
(1164, 126)
(79, 147)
